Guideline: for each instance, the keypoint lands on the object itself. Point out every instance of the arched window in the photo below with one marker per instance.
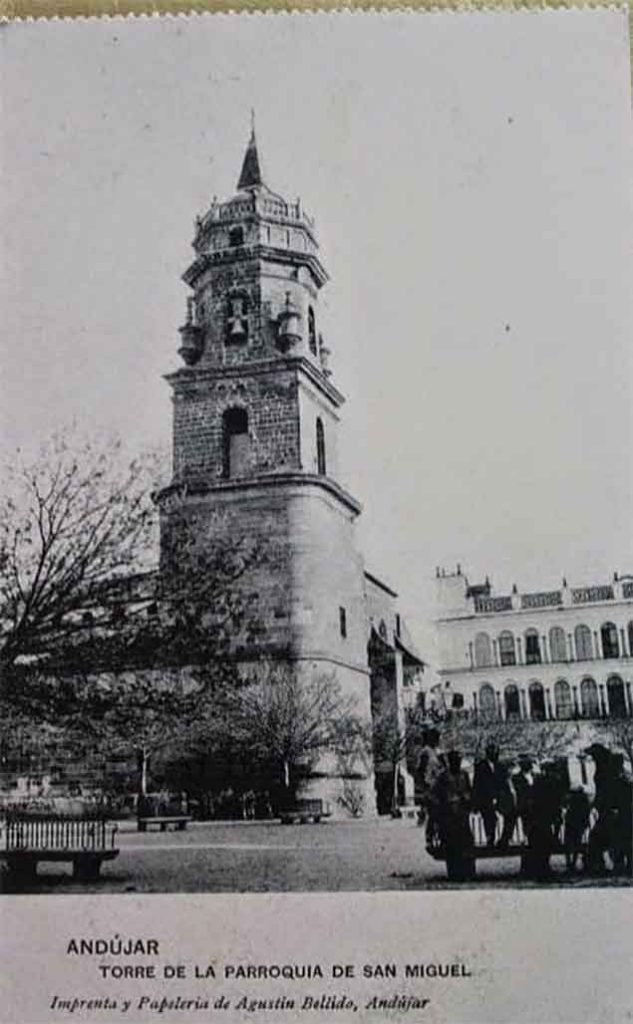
(537, 702)
(589, 703)
(562, 699)
(557, 644)
(630, 632)
(617, 700)
(312, 335)
(487, 701)
(610, 641)
(483, 651)
(532, 647)
(507, 652)
(511, 701)
(320, 447)
(236, 236)
(236, 442)
(584, 645)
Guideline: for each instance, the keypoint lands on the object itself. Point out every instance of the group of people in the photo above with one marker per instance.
(532, 807)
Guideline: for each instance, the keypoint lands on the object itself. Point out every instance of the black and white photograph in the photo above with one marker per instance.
(316, 546)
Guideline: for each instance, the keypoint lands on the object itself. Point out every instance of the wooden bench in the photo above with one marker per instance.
(85, 840)
(304, 810)
(162, 810)
(517, 847)
(179, 821)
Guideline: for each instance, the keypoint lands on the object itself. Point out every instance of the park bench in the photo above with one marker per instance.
(304, 810)
(86, 840)
(155, 810)
(517, 847)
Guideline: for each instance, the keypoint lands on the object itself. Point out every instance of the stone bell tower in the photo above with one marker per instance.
(255, 423)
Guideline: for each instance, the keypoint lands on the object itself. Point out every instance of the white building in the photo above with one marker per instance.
(564, 654)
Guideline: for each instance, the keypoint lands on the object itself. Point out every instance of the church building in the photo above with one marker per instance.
(256, 415)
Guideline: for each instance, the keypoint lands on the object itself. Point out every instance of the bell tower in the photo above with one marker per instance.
(255, 424)
(264, 401)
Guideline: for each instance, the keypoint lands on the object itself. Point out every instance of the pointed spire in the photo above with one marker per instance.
(251, 175)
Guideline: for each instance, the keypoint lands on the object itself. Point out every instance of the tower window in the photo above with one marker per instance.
(342, 621)
(312, 336)
(236, 236)
(320, 446)
(235, 443)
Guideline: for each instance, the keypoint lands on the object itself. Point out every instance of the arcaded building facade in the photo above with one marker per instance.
(561, 654)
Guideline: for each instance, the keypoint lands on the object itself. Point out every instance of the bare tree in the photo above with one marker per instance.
(72, 518)
(471, 733)
(290, 721)
(87, 642)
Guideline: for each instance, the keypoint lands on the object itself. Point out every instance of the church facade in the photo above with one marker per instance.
(256, 415)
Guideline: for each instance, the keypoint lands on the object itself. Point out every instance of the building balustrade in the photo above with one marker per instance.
(552, 598)
(493, 604)
(588, 595)
(544, 599)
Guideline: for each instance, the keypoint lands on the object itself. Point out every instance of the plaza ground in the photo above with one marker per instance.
(380, 854)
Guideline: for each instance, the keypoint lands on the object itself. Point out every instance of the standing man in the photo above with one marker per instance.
(431, 764)
(486, 790)
(454, 801)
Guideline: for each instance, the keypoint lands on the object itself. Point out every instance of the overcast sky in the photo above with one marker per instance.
(470, 175)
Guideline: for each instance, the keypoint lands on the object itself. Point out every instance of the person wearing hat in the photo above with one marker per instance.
(599, 836)
(620, 818)
(577, 808)
(487, 783)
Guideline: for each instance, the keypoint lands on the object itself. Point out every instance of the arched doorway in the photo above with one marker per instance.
(557, 644)
(511, 701)
(487, 701)
(589, 703)
(616, 697)
(584, 645)
(562, 699)
(610, 640)
(507, 649)
(483, 651)
(532, 647)
(537, 702)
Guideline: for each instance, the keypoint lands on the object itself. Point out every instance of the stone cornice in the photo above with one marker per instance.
(200, 486)
(244, 253)
(187, 375)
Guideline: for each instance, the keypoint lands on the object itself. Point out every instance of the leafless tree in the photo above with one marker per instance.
(290, 721)
(87, 642)
(471, 733)
(71, 518)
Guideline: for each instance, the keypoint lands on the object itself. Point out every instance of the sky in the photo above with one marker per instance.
(470, 176)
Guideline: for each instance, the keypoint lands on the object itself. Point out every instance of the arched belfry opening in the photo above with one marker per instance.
(236, 442)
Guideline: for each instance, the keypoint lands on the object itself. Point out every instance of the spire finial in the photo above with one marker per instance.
(251, 176)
